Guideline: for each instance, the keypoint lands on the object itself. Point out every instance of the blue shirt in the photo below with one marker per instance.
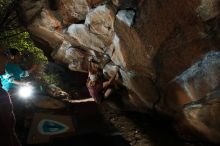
(12, 72)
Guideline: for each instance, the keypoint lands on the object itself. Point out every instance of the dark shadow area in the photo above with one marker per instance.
(159, 129)
(94, 140)
(68, 78)
(53, 4)
(72, 82)
(91, 129)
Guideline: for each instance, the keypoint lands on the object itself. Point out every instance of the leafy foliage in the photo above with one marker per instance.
(52, 78)
(24, 44)
(12, 35)
(31, 54)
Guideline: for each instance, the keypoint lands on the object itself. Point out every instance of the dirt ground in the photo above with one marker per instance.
(100, 125)
(149, 129)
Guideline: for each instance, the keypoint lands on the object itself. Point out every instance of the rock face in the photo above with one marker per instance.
(100, 22)
(73, 11)
(81, 34)
(168, 51)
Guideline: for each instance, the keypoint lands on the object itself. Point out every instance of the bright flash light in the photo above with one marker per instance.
(25, 91)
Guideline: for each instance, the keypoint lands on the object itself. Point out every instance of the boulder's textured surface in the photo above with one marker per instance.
(73, 11)
(197, 89)
(204, 116)
(48, 20)
(208, 9)
(167, 51)
(100, 22)
(32, 9)
(81, 34)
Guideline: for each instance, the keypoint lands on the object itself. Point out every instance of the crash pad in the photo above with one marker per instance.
(47, 127)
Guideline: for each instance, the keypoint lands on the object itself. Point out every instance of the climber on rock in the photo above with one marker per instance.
(99, 89)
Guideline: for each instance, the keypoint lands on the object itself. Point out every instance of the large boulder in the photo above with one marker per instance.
(100, 22)
(159, 46)
(124, 52)
(195, 94)
(53, 38)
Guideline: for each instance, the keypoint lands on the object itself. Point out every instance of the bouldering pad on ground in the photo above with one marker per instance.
(47, 127)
